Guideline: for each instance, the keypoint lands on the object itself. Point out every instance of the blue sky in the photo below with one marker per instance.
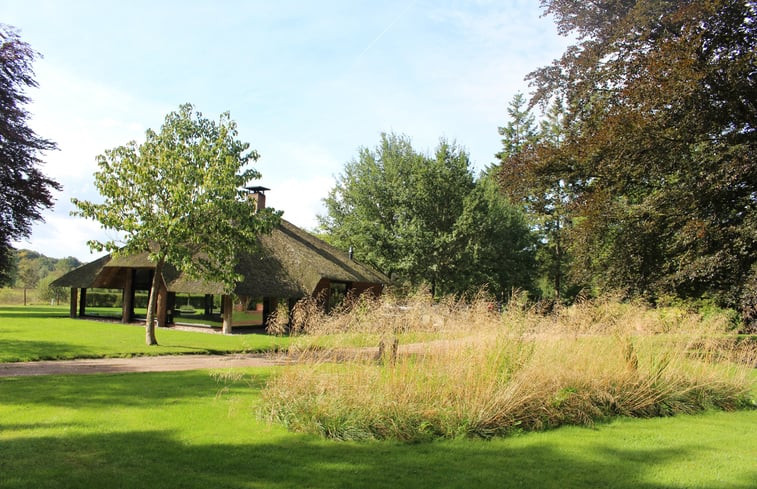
(309, 83)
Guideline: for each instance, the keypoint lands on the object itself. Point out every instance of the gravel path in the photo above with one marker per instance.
(165, 363)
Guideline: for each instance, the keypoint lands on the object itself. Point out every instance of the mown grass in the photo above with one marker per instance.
(190, 430)
(47, 333)
(496, 374)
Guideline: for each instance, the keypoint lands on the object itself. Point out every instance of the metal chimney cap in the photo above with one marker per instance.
(257, 189)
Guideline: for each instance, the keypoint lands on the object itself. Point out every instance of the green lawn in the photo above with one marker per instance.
(47, 333)
(188, 430)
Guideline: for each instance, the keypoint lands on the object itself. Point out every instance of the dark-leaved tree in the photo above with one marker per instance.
(24, 190)
(660, 143)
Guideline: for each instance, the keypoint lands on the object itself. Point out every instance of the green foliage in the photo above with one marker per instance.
(25, 190)
(519, 134)
(179, 196)
(546, 199)
(49, 293)
(498, 247)
(28, 275)
(49, 270)
(43, 265)
(421, 218)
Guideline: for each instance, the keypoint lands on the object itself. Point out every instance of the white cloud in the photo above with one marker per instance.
(300, 199)
(61, 236)
(299, 177)
(84, 118)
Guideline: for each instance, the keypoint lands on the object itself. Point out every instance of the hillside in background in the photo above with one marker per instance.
(31, 265)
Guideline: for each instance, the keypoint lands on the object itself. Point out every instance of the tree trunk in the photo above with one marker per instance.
(228, 307)
(24, 296)
(152, 303)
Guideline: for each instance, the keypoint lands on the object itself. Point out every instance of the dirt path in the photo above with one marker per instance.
(170, 363)
(165, 363)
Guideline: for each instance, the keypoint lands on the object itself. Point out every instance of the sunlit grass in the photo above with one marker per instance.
(47, 333)
(196, 430)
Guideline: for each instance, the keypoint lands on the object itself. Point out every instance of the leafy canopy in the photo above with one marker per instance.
(659, 143)
(180, 196)
(545, 197)
(421, 218)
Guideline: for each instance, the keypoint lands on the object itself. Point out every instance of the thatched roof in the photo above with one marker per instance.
(83, 276)
(289, 262)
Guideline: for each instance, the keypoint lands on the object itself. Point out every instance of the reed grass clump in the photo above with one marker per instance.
(483, 373)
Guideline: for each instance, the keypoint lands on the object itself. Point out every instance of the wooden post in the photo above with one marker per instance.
(83, 302)
(227, 308)
(74, 296)
(162, 306)
(127, 301)
(208, 304)
(170, 306)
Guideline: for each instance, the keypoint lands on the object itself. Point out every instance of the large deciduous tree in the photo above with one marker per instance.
(24, 190)
(661, 113)
(423, 218)
(179, 196)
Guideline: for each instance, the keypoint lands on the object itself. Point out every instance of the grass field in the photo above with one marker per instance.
(190, 430)
(47, 333)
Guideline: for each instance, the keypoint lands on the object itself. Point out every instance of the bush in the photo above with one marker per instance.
(490, 374)
(103, 298)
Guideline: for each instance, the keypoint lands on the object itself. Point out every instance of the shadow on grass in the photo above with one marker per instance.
(55, 453)
(111, 391)
(157, 459)
(33, 350)
(32, 312)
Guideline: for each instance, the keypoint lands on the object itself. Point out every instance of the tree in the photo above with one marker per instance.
(545, 198)
(29, 277)
(52, 293)
(659, 143)
(26, 191)
(519, 134)
(499, 247)
(179, 196)
(401, 212)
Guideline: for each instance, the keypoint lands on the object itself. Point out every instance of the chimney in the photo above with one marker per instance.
(257, 195)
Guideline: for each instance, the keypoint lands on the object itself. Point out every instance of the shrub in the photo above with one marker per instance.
(489, 374)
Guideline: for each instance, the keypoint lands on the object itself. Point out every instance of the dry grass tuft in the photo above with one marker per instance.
(480, 372)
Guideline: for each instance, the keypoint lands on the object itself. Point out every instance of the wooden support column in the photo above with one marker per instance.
(226, 310)
(162, 306)
(266, 310)
(170, 306)
(127, 299)
(83, 302)
(74, 296)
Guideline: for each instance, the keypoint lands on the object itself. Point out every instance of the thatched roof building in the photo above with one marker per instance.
(287, 264)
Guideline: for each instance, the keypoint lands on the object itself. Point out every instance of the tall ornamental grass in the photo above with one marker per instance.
(482, 373)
